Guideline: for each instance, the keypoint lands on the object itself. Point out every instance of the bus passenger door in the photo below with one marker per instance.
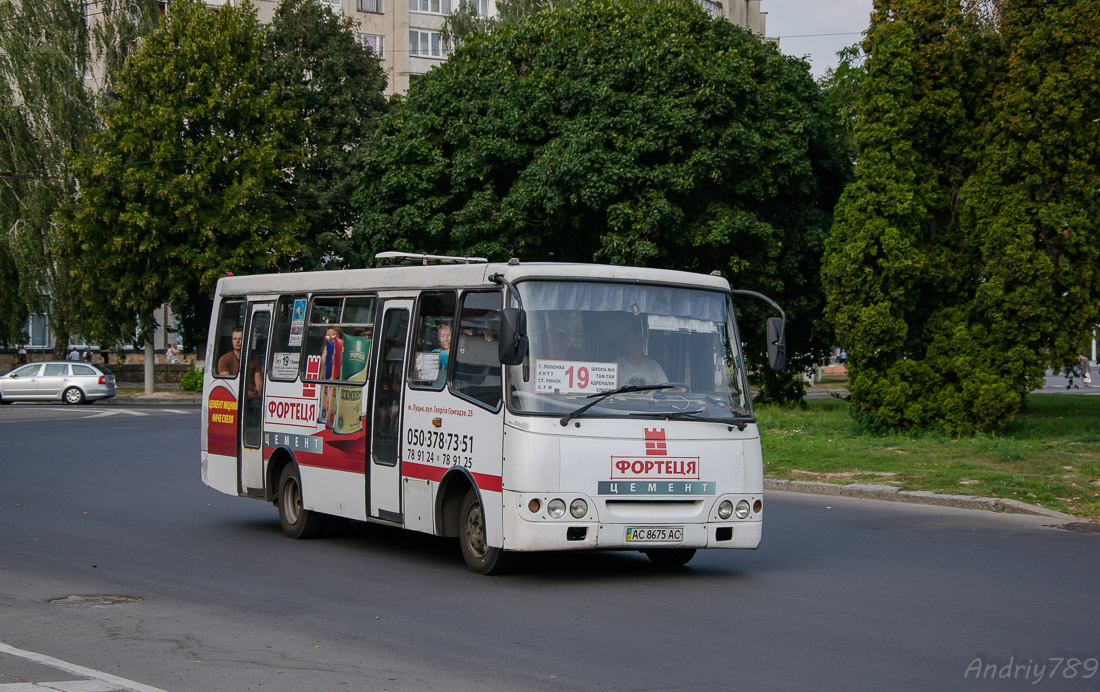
(386, 413)
(253, 374)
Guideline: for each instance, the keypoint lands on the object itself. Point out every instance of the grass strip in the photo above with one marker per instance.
(1048, 456)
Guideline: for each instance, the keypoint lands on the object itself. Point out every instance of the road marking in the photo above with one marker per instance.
(132, 413)
(117, 682)
(176, 410)
(62, 686)
(104, 414)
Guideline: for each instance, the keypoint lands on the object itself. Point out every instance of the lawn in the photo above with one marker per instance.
(1049, 455)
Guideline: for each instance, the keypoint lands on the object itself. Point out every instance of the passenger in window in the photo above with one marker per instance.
(230, 362)
(486, 333)
(635, 368)
(444, 352)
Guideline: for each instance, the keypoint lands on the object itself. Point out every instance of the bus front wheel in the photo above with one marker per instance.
(297, 522)
(671, 557)
(480, 557)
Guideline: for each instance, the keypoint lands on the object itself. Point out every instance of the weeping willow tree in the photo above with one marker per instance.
(56, 58)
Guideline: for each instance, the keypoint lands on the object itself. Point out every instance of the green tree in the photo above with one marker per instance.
(628, 132)
(841, 88)
(335, 86)
(1032, 204)
(962, 260)
(191, 178)
(464, 20)
(14, 318)
(51, 64)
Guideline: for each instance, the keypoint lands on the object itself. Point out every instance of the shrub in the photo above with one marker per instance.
(192, 381)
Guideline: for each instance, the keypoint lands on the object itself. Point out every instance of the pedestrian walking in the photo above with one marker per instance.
(21, 354)
(74, 354)
(87, 355)
(1083, 362)
(106, 353)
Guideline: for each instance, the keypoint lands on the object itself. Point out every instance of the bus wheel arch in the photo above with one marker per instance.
(452, 491)
(279, 459)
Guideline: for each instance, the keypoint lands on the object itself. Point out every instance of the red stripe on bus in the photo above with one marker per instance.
(426, 472)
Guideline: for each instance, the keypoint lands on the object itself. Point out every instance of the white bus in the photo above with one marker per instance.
(518, 407)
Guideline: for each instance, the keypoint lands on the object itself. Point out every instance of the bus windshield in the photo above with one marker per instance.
(587, 338)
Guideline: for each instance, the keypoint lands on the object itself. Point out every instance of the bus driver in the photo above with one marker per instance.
(635, 368)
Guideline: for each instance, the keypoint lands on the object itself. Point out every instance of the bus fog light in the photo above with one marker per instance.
(725, 509)
(556, 508)
(534, 506)
(578, 508)
(742, 510)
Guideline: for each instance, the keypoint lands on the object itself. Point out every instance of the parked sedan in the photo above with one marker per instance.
(73, 383)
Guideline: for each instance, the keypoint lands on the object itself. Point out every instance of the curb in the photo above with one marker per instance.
(922, 497)
(152, 400)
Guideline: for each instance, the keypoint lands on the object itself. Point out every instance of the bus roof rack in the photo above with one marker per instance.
(428, 259)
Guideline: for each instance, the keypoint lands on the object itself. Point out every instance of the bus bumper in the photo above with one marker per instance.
(566, 533)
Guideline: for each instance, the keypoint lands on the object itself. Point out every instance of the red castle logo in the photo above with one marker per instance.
(655, 444)
(656, 464)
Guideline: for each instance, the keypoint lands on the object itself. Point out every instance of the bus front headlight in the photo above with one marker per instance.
(742, 510)
(725, 509)
(556, 508)
(578, 508)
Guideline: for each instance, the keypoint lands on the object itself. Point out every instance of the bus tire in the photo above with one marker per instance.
(670, 557)
(297, 522)
(479, 556)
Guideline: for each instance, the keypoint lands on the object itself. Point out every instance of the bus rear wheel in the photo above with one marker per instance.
(480, 557)
(297, 522)
(672, 557)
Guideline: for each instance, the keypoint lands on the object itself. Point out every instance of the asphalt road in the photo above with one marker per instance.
(844, 593)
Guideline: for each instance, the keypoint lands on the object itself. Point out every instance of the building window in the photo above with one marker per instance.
(375, 43)
(427, 44)
(369, 6)
(479, 7)
(712, 8)
(433, 6)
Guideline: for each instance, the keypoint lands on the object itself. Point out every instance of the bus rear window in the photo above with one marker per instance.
(229, 337)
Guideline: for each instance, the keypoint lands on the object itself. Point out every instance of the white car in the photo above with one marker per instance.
(73, 383)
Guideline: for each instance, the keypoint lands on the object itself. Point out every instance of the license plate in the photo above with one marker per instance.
(654, 534)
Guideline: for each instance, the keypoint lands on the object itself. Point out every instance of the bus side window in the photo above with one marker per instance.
(433, 344)
(229, 338)
(477, 369)
(290, 319)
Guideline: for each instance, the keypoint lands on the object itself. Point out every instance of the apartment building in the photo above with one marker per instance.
(406, 33)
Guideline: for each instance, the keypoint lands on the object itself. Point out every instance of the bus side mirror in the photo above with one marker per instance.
(777, 344)
(513, 336)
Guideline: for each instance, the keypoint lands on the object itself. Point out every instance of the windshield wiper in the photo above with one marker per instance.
(597, 398)
(673, 414)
